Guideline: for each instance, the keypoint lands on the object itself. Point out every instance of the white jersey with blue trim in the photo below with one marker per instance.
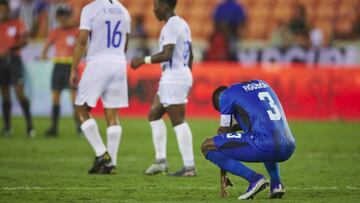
(177, 32)
(108, 22)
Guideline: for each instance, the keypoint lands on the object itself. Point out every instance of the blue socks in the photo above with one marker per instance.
(273, 170)
(230, 165)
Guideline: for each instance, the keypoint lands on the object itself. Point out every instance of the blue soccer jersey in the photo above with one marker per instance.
(256, 108)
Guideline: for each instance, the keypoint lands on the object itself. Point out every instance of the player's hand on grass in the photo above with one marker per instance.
(73, 81)
(136, 63)
(225, 182)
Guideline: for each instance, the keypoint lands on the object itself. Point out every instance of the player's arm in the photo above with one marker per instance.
(224, 183)
(163, 56)
(79, 51)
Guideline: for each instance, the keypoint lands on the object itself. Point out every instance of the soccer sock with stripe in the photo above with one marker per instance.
(158, 129)
(113, 141)
(230, 165)
(92, 134)
(273, 170)
(184, 138)
(6, 108)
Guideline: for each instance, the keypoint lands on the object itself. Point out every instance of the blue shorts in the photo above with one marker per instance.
(240, 147)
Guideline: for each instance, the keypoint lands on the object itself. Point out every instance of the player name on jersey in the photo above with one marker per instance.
(254, 86)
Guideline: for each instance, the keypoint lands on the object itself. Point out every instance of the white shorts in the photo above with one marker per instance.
(173, 93)
(106, 79)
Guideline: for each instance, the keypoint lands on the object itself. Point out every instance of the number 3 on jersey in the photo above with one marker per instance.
(114, 36)
(276, 115)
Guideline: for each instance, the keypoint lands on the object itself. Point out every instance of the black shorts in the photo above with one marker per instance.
(60, 77)
(11, 70)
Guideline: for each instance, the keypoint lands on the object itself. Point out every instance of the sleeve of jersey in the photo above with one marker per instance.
(171, 33)
(85, 19)
(226, 110)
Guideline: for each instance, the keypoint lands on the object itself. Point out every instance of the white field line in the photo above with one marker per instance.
(36, 188)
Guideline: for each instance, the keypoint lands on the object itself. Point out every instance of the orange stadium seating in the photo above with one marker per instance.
(328, 15)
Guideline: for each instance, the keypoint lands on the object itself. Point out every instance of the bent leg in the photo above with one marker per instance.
(224, 162)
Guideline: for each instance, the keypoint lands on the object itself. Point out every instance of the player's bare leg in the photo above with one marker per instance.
(113, 133)
(92, 134)
(55, 113)
(6, 108)
(25, 106)
(158, 130)
(184, 138)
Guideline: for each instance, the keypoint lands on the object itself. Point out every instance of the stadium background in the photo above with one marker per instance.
(319, 85)
(326, 86)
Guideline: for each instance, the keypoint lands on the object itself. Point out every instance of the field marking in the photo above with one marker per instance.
(34, 188)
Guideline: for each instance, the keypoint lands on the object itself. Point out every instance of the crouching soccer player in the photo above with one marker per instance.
(265, 136)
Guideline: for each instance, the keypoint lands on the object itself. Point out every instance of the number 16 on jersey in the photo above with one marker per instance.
(114, 36)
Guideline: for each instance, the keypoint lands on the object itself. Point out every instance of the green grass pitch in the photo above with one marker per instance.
(324, 168)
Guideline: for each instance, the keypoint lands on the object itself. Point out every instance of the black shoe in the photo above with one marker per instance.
(51, 132)
(30, 132)
(100, 162)
(185, 172)
(108, 169)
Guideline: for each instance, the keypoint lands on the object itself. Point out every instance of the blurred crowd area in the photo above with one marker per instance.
(338, 19)
(219, 26)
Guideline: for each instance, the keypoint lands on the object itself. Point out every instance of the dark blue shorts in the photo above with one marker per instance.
(240, 147)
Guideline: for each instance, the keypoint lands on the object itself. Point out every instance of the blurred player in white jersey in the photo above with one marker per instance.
(175, 57)
(104, 32)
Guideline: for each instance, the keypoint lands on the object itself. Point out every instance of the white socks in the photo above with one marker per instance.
(158, 130)
(113, 141)
(92, 134)
(184, 138)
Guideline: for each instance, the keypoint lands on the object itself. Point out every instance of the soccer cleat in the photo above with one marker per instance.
(185, 172)
(259, 184)
(51, 132)
(100, 162)
(157, 167)
(277, 190)
(6, 132)
(31, 133)
(108, 169)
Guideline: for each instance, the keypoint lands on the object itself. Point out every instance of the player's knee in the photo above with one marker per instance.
(83, 112)
(207, 146)
(153, 116)
(177, 121)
